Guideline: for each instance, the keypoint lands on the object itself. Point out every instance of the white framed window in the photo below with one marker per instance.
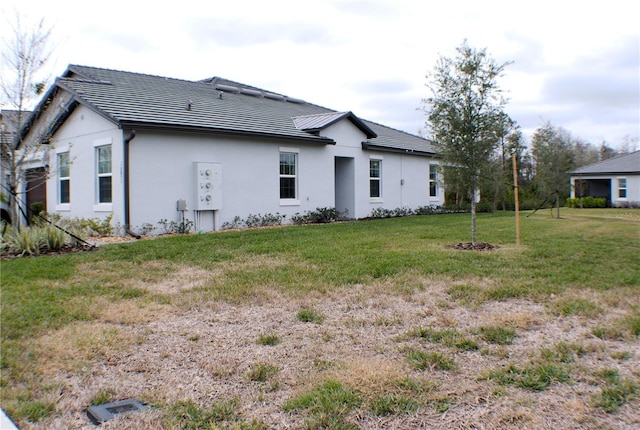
(104, 174)
(622, 188)
(64, 178)
(433, 180)
(288, 176)
(375, 178)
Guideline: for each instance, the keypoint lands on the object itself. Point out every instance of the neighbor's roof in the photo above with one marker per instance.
(622, 164)
(217, 105)
(10, 118)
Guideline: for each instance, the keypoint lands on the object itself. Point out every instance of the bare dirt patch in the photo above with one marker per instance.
(205, 353)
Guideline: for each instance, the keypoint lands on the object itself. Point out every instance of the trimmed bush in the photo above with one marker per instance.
(587, 202)
(319, 216)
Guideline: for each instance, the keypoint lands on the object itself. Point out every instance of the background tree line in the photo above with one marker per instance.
(476, 139)
(543, 166)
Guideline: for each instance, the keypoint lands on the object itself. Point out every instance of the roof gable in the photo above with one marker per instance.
(317, 122)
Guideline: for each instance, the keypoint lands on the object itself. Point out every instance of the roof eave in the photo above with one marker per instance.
(372, 147)
(141, 125)
(362, 126)
(604, 173)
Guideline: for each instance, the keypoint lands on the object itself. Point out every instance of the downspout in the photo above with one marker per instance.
(127, 214)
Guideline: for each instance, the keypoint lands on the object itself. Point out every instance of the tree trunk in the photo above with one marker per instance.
(558, 204)
(13, 207)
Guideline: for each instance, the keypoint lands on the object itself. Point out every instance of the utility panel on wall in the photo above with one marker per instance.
(208, 183)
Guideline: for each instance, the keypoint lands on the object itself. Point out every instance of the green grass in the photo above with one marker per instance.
(616, 391)
(534, 377)
(421, 360)
(393, 404)
(552, 366)
(103, 396)
(441, 404)
(575, 306)
(34, 410)
(310, 315)
(261, 372)
(188, 415)
(268, 339)
(626, 327)
(632, 323)
(466, 294)
(556, 255)
(448, 337)
(498, 335)
(561, 353)
(326, 405)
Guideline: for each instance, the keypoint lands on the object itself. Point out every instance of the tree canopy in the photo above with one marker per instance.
(553, 151)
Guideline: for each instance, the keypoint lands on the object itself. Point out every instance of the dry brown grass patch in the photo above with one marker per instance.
(79, 344)
(517, 418)
(619, 298)
(520, 320)
(129, 312)
(369, 376)
(155, 276)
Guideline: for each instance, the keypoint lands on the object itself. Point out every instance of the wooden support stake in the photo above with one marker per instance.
(515, 192)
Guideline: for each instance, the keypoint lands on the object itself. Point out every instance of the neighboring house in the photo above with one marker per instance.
(617, 179)
(31, 188)
(149, 148)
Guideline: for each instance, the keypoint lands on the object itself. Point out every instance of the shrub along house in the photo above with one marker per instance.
(616, 179)
(148, 148)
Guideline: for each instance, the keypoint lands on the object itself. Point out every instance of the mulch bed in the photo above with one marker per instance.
(478, 246)
(67, 249)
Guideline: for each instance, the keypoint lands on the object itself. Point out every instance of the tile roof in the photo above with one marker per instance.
(216, 105)
(622, 164)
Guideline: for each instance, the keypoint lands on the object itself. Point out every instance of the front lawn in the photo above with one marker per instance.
(180, 323)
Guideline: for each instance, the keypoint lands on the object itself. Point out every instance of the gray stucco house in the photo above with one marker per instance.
(144, 148)
(617, 179)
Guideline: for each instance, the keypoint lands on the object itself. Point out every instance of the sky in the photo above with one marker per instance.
(573, 64)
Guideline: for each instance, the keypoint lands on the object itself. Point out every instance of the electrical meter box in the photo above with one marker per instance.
(208, 184)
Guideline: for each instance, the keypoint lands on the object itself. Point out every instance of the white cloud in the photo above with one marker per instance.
(574, 64)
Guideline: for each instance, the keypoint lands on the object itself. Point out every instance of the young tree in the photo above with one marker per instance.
(464, 115)
(24, 56)
(551, 148)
